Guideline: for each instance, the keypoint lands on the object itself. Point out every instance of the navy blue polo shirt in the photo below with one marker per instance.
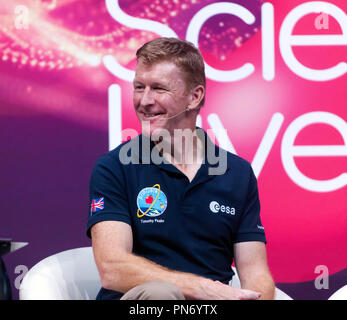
(182, 225)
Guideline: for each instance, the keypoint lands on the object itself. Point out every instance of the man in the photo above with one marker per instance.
(163, 226)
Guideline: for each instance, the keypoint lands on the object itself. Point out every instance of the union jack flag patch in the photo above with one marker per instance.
(96, 205)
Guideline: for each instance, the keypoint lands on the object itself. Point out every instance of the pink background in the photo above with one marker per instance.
(54, 124)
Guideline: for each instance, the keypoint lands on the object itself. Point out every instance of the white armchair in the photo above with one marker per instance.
(72, 275)
(340, 294)
(67, 275)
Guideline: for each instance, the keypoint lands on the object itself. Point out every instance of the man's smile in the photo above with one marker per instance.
(151, 116)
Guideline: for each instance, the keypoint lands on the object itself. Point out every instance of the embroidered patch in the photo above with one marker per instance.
(97, 205)
(151, 202)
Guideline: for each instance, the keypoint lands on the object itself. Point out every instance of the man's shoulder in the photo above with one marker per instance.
(237, 160)
(128, 147)
(120, 154)
(238, 163)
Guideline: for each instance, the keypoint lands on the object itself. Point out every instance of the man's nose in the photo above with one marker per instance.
(147, 97)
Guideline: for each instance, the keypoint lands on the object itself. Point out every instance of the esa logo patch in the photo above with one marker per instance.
(151, 202)
(215, 207)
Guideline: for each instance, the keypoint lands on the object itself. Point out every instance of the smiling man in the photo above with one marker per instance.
(164, 89)
(170, 229)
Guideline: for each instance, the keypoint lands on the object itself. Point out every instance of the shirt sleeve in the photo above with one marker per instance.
(107, 193)
(250, 226)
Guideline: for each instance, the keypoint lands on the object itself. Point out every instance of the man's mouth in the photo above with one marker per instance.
(152, 116)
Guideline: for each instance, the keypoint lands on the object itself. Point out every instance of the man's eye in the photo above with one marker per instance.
(159, 88)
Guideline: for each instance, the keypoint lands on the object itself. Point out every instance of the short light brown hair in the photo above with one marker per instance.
(183, 53)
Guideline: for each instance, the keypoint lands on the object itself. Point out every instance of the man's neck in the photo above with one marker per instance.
(184, 150)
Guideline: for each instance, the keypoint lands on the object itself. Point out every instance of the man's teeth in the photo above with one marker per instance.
(149, 115)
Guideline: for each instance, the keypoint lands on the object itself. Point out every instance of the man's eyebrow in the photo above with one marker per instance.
(160, 84)
(154, 84)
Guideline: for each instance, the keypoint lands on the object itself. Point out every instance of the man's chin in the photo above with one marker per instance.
(154, 129)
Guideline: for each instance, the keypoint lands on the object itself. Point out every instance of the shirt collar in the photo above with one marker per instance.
(213, 155)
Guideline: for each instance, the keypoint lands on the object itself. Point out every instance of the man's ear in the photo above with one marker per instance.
(196, 96)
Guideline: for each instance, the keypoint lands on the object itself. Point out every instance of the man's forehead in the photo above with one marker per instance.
(162, 71)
